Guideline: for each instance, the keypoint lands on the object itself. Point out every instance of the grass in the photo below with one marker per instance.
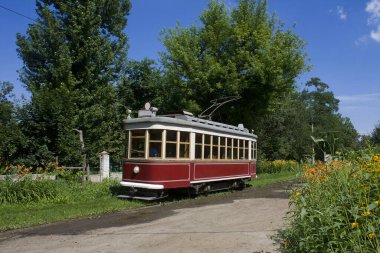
(21, 216)
(272, 178)
(89, 202)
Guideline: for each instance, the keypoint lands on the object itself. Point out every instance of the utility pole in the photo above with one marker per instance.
(84, 166)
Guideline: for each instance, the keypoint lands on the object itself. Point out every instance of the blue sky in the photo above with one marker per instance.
(343, 43)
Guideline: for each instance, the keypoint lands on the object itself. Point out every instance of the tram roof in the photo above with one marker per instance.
(186, 121)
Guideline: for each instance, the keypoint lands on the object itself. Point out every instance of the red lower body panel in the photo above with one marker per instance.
(183, 174)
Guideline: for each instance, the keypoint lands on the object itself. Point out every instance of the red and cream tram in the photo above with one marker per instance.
(184, 152)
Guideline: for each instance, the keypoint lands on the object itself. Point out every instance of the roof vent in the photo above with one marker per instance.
(187, 113)
(147, 111)
(241, 126)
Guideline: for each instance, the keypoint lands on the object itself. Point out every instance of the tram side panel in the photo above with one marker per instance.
(220, 171)
(253, 170)
(170, 175)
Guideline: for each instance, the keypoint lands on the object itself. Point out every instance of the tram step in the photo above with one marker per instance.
(140, 197)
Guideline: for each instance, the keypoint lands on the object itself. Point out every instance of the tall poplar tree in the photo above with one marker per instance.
(73, 56)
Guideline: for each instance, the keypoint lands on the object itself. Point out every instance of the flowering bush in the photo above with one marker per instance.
(23, 170)
(337, 209)
(20, 187)
(276, 166)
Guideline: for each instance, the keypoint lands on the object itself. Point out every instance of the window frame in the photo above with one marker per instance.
(179, 143)
(130, 139)
(155, 141)
(234, 149)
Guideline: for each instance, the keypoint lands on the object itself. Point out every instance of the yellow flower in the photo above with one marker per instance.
(377, 202)
(354, 225)
(371, 235)
(298, 194)
(366, 213)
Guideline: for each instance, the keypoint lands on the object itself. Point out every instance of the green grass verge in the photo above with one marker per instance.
(267, 179)
(26, 215)
(13, 216)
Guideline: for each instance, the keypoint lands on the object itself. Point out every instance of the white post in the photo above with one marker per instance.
(104, 165)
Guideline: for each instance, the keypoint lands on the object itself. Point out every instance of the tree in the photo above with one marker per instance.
(11, 138)
(284, 132)
(73, 56)
(375, 136)
(337, 132)
(143, 83)
(245, 52)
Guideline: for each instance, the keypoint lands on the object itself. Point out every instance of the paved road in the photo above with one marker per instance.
(235, 222)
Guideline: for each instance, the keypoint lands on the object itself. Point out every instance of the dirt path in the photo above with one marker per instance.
(237, 222)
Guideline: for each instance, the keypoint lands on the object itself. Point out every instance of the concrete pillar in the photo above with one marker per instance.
(104, 165)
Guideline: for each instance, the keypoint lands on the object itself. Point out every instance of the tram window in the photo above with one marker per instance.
(215, 147)
(185, 137)
(155, 135)
(155, 143)
(245, 149)
(198, 146)
(222, 148)
(207, 147)
(171, 144)
(228, 144)
(241, 149)
(171, 136)
(184, 145)
(254, 150)
(137, 144)
(235, 149)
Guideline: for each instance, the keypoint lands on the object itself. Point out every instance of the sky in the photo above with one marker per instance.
(342, 42)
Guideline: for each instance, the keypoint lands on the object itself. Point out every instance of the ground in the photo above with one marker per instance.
(242, 221)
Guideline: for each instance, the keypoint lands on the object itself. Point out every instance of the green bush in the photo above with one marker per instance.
(264, 166)
(27, 190)
(337, 209)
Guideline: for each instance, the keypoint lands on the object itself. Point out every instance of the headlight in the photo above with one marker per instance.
(136, 169)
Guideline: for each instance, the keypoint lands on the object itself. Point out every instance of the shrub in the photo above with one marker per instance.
(27, 190)
(337, 210)
(276, 166)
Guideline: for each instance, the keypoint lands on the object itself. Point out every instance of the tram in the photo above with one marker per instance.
(182, 152)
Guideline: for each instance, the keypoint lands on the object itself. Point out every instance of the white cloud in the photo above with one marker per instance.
(375, 35)
(363, 40)
(360, 98)
(373, 8)
(342, 14)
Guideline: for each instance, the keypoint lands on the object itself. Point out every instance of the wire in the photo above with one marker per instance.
(20, 14)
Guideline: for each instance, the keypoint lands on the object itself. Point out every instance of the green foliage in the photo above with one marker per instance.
(27, 190)
(284, 132)
(271, 167)
(244, 52)
(272, 178)
(73, 56)
(12, 140)
(322, 107)
(143, 83)
(337, 210)
(375, 136)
